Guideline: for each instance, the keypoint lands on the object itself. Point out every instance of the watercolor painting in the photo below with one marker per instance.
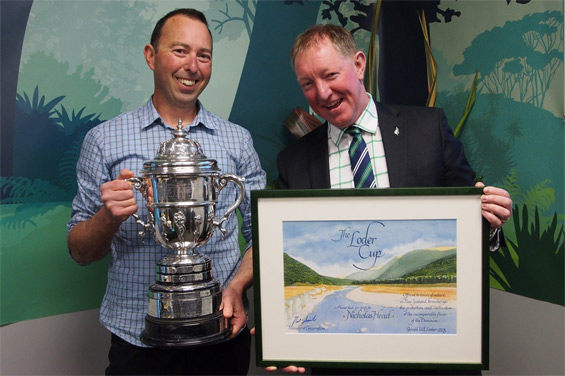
(376, 277)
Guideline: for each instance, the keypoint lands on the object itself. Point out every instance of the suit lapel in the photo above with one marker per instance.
(319, 171)
(394, 137)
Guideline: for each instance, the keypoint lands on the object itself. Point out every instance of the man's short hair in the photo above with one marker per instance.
(340, 37)
(187, 12)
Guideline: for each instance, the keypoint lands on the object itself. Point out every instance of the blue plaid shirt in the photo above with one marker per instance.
(126, 142)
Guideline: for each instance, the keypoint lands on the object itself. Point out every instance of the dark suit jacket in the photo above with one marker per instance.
(423, 152)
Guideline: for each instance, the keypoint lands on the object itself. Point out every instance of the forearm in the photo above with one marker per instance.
(255, 179)
(91, 240)
(243, 279)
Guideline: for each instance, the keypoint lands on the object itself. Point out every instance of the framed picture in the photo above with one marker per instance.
(377, 278)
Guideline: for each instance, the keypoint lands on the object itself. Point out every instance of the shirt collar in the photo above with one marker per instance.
(149, 117)
(368, 121)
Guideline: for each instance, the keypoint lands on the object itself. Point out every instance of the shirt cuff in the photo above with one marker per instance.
(494, 239)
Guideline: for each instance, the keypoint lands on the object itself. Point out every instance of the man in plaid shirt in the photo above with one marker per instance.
(180, 55)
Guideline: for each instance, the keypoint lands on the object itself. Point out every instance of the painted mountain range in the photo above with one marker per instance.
(425, 262)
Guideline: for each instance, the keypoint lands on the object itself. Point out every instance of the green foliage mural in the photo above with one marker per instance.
(514, 137)
(82, 63)
(39, 126)
(100, 41)
(523, 58)
(79, 67)
(36, 206)
(238, 12)
(538, 250)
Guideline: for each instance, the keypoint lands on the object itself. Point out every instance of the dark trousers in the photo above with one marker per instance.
(226, 358)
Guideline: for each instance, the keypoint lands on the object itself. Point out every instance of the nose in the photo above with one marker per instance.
(191, 64)
(323, 90)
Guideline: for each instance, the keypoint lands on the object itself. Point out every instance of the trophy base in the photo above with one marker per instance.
(201, 331)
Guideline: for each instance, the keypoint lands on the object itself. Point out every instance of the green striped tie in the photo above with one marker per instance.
(360, 160)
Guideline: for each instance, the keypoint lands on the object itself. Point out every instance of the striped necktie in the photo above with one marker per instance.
(360, 160)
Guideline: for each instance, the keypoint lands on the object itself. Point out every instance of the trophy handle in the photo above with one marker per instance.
(224, 180)
(141, 185)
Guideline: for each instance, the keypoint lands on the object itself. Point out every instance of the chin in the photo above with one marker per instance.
(340, 123)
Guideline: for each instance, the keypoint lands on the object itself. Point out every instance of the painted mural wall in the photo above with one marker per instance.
(80, 63)
(514, 135)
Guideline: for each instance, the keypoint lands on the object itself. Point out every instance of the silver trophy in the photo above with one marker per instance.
(181, 187)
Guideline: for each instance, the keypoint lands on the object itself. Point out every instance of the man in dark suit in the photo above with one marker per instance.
(414, 146)
(419, 146)
(408, 146)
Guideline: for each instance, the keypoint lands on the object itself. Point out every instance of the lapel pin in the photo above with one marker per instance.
(396, 131)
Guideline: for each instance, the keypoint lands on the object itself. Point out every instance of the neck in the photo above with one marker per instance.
(171, 114)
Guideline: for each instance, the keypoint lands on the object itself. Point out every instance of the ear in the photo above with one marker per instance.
(360, 61)
(149, 53)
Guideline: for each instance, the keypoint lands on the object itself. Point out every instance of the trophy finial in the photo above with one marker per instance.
(179, 132)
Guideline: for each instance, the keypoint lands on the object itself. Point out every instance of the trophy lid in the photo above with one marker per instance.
(180, 155)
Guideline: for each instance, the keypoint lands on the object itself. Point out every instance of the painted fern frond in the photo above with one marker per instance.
(431, 65)
(468, 107)
(540, 196)
(371, 75)
(512, 186)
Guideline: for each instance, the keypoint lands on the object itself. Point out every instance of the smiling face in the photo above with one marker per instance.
(182, 67)
(332, 83)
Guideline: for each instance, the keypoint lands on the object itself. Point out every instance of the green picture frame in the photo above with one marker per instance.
(406, 335)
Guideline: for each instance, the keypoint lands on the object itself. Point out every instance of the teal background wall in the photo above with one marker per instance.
(81, 62)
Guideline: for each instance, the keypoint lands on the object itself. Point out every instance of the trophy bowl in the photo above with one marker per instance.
(181, 187)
